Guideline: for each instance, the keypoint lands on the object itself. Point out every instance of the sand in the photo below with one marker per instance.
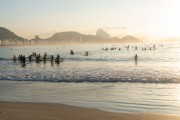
(45, 111)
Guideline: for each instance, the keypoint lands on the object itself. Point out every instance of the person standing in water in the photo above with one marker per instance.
(44, 57)
(38, 58)
(52, 58)
(30, 58)
(57, 59)
(24, 59)
(135, 58)
(14, 58)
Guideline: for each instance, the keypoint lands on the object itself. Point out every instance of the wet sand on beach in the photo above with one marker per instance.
(46, 111)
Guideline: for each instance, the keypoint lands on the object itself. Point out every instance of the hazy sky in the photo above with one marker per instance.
(142, 18)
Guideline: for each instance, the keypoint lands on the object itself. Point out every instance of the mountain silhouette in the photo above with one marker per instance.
(71, 36)
(130, 39)
(7, 34)
(102, 34)
(68, 37)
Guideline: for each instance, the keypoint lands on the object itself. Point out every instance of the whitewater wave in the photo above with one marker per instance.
(4, 59)
(90, 79)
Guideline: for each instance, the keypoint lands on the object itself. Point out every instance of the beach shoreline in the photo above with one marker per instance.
(53, 111)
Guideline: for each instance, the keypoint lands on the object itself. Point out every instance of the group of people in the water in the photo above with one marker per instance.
(86, 53)
(21, 58)
(38, 58)
(127, 47)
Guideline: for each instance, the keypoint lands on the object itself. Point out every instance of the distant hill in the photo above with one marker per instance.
(102, 34)
(100, 37)
(130, 39)
(126, 39)
(65, 36)
(71, 36)
(7, 34)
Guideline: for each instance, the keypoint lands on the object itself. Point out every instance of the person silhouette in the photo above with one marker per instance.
(52, 58)
(14, 58)
(136, 57)
(86, 53)
(30, 57)
(72, 52)
(58, 58)
(24, 59)
(44, 58)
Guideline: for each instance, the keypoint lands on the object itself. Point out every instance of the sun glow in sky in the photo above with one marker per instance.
(141, 18)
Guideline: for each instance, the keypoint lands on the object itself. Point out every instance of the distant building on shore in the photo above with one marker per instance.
(13, 42)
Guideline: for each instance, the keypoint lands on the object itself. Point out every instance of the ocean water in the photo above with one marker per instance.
(154, 66)
(108, 80)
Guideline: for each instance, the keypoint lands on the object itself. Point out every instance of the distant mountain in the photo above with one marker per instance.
(7, 34)
(102, 34)
(72, 36)
(65, 36)
(69, 37)
(126, 39)
(100, 37)
(130, 39)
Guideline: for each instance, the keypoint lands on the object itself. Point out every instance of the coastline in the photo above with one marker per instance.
(52, 111)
